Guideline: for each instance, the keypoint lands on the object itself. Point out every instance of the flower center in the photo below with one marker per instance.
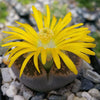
(46, 34)
(46, 38)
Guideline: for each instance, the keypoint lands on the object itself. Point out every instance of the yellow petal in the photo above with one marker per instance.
(78, 33)
(40, 18)
(36, 54)
(86, 51)
(70, 28)
(43, 55)
(12, 52)
(79, 48)
(37, 18)
(24, 63)
(71, 34)
(48, 16)
(66, 20)
(17, 49)
(16, 29)
(30, 29)
(45, 21)
(78, 53)
(20, 44)
(88, 39)
(24, 37)
(11, 37)
(79, 44)
(89, 45)
(56, 58)
(18, 54)
(70, 40)
(54, 20)
(68, 62)
(68, 15)
(59, 22)
(7, 52)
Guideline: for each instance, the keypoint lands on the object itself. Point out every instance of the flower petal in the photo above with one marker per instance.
(59, 22)
(12, 52)
(11, 37)
(88, 39)
(36, 54)
(56, 58)
(48, 16)
(30, 29)
(17, 30)
(77, 45)
(20, 44)
(18, 54)
(68, 62)
(45, 21)
(22, 36)
(40, 18)
(86, 51)
(68, 29)
(43, 55)
(78, 53)
(66, 20)
(54, 20)
(73, 33)
(70, 40)
(24, 63)
(78, 48)
(37, 18)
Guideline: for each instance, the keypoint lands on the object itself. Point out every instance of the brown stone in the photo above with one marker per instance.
(44, 81)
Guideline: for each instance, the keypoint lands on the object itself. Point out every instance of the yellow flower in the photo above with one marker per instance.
(52, 40)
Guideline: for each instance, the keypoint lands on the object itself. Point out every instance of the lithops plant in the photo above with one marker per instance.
(50, 58)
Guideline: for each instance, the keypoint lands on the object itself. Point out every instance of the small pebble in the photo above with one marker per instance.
(76, 86)
(4, 88)
(86, 66)
(98, 23)
(62, 91)
(79, 94)
(67, 93)
(89, 16)
(86, 85)
(12, 74)
(57, 97)
(18, 97)
(27, 94)
(97, 86)
(1, 60)
(77, 98)
(95, 93)
(94, 98)
(71, 97)
(52, 92)
(86, 95)
(12, 91)
(24, 90)
(1, 25)
(38, 96)
(92, 76)
(6, 75)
